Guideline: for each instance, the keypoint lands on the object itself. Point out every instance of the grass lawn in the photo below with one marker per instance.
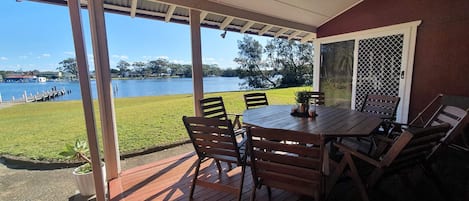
(41, 130)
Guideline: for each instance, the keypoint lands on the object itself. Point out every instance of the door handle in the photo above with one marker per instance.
(402, 74)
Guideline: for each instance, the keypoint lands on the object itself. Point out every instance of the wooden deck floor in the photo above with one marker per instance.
(170, 179)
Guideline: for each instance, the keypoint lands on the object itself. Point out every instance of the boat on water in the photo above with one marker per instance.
(41, 79)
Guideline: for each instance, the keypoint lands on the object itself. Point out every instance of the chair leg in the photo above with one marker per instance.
(218, 167)
(253, 192)
(269, 191)
(196, 174)
(356, 177)
(243, 169)
(339, 169)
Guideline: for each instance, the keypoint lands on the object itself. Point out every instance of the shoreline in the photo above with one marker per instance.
(7, 104)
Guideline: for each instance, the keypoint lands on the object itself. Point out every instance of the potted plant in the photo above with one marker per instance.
(302, 99)
(83, 174)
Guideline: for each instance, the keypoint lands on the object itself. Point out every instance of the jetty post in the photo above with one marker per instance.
(25, 95)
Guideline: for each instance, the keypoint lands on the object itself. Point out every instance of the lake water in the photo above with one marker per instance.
(123, 88)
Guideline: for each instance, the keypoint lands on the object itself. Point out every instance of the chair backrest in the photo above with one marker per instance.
(316, 97)
(414, 146)
(213, 138)
(213, 108)
(254, 100)
(287, 159)
(381, 105)
(444, 109)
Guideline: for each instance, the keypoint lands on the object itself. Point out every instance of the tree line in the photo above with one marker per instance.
(281, 63)
(154, 68)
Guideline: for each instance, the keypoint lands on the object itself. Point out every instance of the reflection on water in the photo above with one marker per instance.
(123, 88)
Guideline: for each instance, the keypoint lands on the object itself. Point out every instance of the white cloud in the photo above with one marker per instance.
(45, 55)
(209, 60)
(3, 58)
(23, 57)
(121, 57)
(179, 61)
(69, 53)
(163, 57)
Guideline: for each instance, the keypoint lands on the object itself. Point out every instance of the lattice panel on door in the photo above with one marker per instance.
(379, 66)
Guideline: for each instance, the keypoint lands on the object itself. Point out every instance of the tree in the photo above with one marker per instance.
(292, 60)
(139, 67)
(230, 73)
(69, 65)
(158, 66)
(256, 74)
(123, 67)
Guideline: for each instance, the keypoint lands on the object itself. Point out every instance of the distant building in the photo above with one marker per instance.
(20, 78)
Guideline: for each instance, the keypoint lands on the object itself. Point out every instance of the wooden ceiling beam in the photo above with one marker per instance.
(265, 29)
(133, 8)
(293, 34)
(203, 14)
(170, 12)
(280, 32)
(308, 37)
(221, 9)
(226, 22)
(246, 26)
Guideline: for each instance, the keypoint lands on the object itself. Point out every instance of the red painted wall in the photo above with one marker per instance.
(441, 63)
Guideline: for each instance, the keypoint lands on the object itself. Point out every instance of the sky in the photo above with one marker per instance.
(37, 36)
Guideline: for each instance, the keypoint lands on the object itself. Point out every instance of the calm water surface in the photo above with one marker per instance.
(123, 88)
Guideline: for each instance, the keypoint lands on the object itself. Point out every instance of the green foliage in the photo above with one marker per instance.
(85, 168)
(123, 67)
(40, 130)
(78, 151)
(292, 60)
(288, 63)
(256, 74)
(301, 97)
(69, 65)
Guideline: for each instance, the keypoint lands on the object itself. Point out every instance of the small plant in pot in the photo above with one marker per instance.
(302, 99)
(83, 174)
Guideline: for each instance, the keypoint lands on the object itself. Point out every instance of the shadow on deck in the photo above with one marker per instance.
(170, 179)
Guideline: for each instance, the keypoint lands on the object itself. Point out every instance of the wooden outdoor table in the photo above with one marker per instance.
(330, 121)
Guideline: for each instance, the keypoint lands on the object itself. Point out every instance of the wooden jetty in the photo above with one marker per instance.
(40, 97)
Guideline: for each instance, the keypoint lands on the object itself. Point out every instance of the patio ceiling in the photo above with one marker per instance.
(290, 19)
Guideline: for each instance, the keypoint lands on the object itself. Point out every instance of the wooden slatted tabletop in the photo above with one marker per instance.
(330, 121)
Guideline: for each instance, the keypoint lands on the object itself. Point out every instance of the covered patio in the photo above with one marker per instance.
(433, 60)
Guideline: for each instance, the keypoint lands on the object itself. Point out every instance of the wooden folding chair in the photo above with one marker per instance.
(215, 108)
(298, 163)
(254, 100)
(411, 148)
(215, 139)
(381, 105)
(452, 110)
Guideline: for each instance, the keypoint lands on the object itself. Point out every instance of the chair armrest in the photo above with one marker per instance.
(357, 154)
(236, 115)
(236, 121)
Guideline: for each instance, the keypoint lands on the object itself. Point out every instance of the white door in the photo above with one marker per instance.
(382, 64)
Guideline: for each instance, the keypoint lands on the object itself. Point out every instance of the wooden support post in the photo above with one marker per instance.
(104, 86)
(197, 73)
(80, 52)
